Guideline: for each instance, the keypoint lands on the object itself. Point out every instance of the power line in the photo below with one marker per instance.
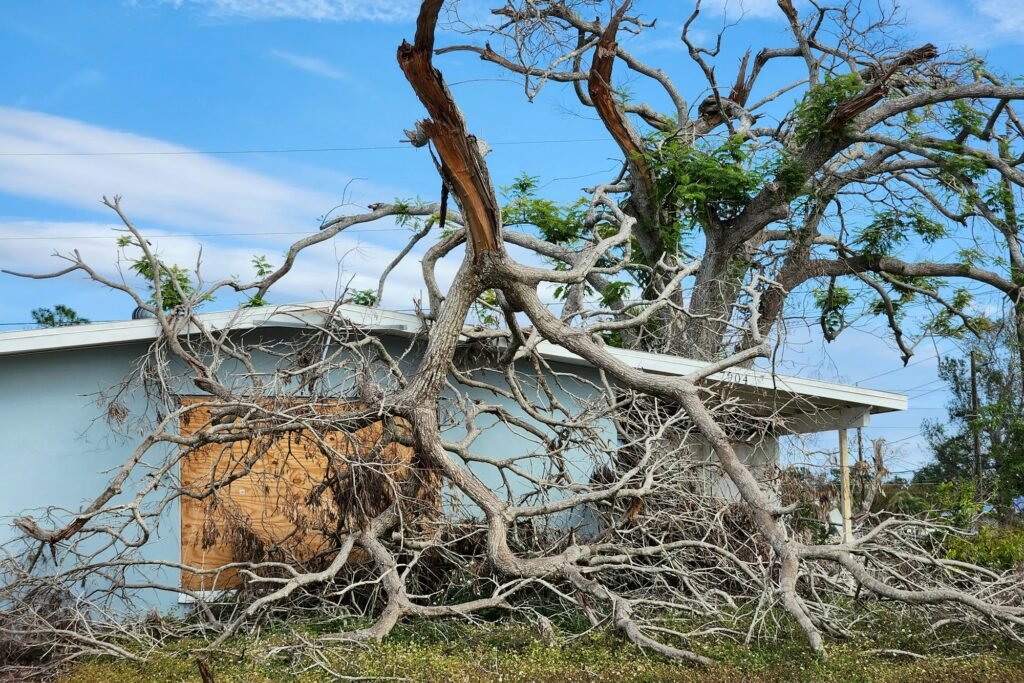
(906, 438)
(289, 150)
(929, 392)
(208, 234)
(921, 386)
(889, 372)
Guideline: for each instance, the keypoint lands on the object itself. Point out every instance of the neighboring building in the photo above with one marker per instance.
(58, 448)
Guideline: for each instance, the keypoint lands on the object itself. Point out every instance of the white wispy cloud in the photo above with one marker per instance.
(174, 187)
(1004, 16)
(313, 65)
(176, 197)
(184, 203)
(978, 24)
(316, 10)
(322, 272)
(747, 9)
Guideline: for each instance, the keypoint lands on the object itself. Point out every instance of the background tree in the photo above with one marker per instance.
(999, 420)
(58, 316)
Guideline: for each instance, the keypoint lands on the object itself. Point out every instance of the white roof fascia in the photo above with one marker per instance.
(675, 365)
(759, 379)
(147, 329)
(394, 322)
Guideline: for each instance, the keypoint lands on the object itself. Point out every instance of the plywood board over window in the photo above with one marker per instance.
(283, 497)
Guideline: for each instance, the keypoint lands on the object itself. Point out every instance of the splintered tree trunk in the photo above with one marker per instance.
(463, 169)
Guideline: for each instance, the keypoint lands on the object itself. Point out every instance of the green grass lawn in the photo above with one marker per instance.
(501, 652)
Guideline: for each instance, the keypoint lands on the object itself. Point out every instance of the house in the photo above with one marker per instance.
(60, 449)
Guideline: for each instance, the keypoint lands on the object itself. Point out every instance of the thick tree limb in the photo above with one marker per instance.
(464, 169)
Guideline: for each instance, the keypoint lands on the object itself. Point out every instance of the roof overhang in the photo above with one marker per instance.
(148, 329)
(826, 405)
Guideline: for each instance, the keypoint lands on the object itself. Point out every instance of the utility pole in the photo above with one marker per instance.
(975, 427)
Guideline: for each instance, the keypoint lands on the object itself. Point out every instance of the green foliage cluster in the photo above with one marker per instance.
(818, 103)
(263, 268)
(403, 211)
(958, 502)
(363, 297)
(833, 301)
(883, 236)
(949, 322)
(175, 283)
(404, 215)
(998, 198)
(970, 256)
(1007, 459)
(615, 291)
(486, 308)
(957, 161)
(557, 224)
(891, 229)
(791, 175)
(964, 117)
(999, 421)
(993, 547)
(703, 185)
(903, 294)
(905, 502)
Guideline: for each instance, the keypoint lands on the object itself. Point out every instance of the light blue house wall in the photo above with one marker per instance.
(59, 450)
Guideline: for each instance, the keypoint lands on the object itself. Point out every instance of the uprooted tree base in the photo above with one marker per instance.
(605, 514)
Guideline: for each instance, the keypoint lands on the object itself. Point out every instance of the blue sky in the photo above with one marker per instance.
(187, 78)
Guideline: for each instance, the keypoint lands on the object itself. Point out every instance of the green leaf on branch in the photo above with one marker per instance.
(557, 223)
(890, 229)
(174, 281)
(817, 105)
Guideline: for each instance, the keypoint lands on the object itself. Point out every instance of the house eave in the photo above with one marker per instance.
(405, 324)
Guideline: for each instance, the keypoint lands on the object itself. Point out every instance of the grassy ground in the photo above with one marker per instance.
(510, 653)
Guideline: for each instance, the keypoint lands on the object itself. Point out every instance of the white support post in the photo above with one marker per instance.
(844, 480)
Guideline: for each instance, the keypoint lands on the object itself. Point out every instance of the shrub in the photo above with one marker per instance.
(992, 547)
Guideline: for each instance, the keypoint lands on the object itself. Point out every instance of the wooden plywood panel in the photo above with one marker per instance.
(265, 498)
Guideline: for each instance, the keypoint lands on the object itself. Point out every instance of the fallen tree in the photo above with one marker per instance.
(404, 525)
